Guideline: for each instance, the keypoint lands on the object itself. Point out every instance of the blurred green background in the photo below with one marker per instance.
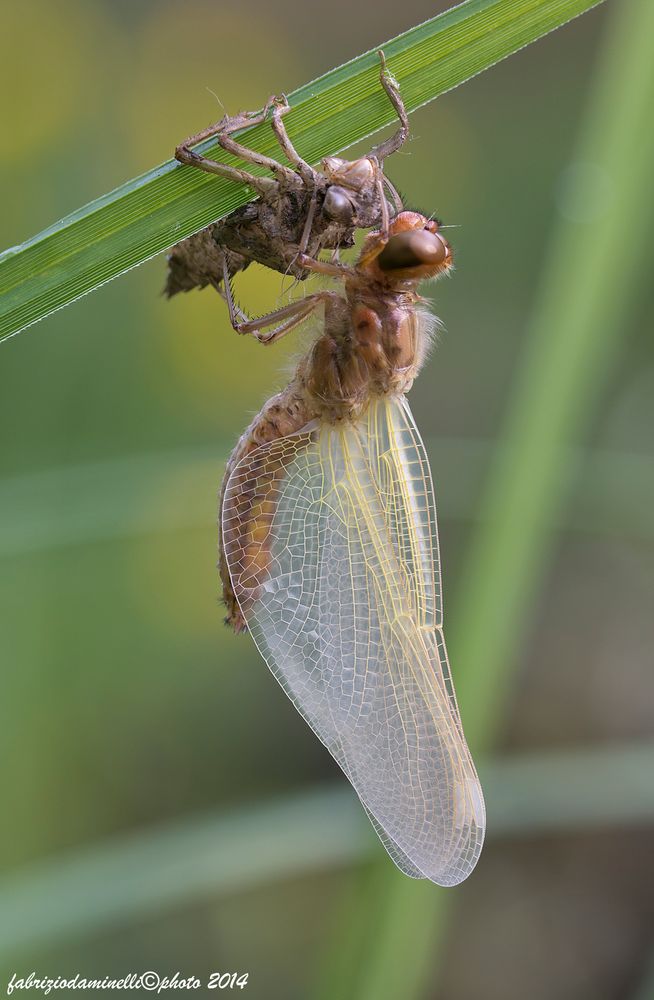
(164, 806)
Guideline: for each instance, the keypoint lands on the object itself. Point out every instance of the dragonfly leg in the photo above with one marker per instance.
(381, 181)
(221, 131)
(308, 225)
(383, 204)
(281, 320)
(306, 172)
(331, 269)
(391, 86)
(279, 106)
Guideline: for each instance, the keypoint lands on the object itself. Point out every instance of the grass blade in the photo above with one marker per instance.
(120, 498)
(575, 336)
(150, 213)
(135, 875)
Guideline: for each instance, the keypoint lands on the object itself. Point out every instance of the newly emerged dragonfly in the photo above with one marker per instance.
(330, 551)
(300, 209)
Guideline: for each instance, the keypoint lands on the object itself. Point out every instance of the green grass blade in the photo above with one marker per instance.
(120, 498)
(645, 990)
(140, 874)
(594, 270)
(576, 335)
(151, 212)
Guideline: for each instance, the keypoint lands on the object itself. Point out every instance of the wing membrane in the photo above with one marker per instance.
(331, 541)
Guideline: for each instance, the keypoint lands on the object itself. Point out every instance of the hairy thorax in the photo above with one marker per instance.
(371, 346)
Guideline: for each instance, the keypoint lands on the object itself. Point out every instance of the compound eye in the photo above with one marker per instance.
(415, 248)
(337, 206)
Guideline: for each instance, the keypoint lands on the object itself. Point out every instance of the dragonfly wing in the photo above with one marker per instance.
(331, 541)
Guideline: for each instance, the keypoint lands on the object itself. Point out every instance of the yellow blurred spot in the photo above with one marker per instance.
(48, 54)
(184, 66)
(224, 376)
(192, 66)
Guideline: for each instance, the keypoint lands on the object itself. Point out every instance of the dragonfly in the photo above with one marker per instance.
(329, 549)
(300, 209)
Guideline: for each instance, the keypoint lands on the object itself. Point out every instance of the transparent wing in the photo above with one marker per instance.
(331, 541)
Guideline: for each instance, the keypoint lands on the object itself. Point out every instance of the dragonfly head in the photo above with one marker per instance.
(415, 250)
